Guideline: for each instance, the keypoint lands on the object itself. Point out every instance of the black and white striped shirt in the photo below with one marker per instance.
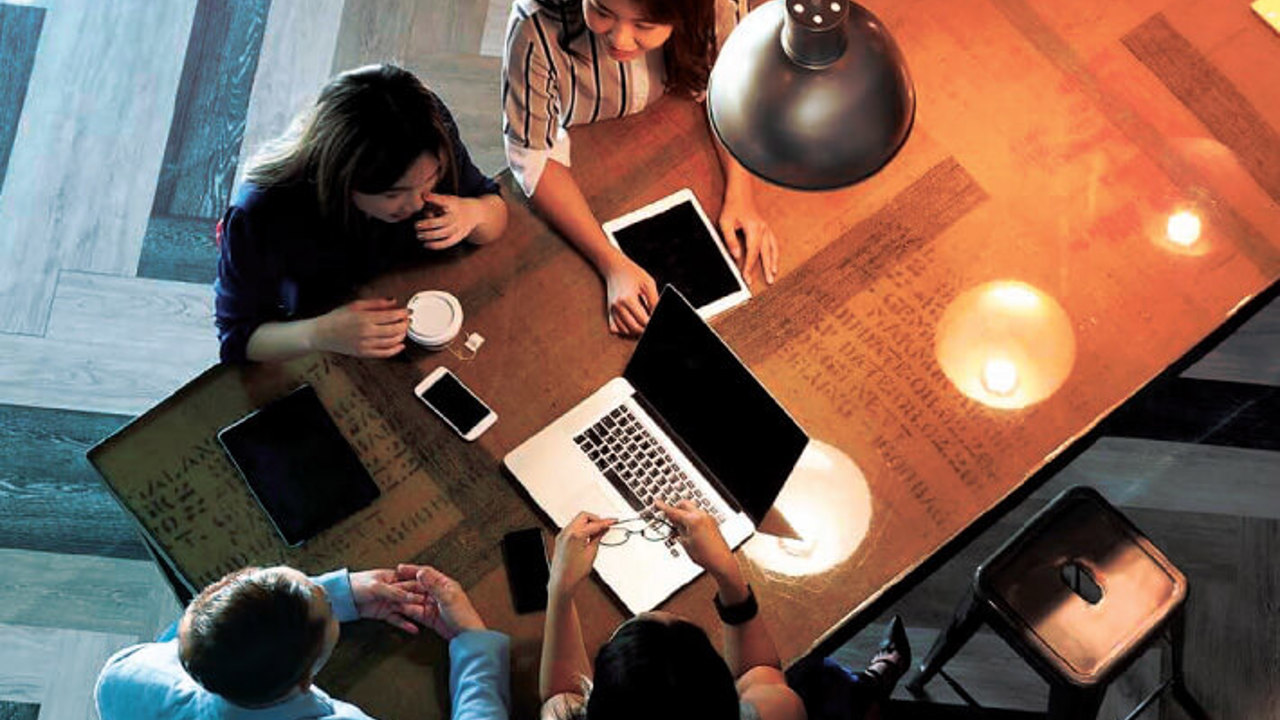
(546, 90)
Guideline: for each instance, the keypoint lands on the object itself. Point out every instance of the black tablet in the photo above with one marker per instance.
(674, 241)
(298, 465)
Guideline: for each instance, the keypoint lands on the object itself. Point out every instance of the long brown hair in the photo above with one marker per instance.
(688, 54)
(365, 130)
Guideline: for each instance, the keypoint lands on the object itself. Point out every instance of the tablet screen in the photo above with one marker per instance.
(298, 465)
(676, 248)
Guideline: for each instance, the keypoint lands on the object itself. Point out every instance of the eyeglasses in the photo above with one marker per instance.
(653, 530)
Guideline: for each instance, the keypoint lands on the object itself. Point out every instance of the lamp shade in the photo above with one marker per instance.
(811, 94)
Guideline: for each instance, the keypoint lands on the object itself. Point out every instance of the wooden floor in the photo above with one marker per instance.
(106, 307)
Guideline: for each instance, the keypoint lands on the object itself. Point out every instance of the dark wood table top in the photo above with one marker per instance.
(945, 328)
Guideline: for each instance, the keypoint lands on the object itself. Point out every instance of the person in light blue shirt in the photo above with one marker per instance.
(250, 645)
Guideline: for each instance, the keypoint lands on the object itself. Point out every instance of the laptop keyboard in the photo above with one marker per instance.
(637, 464)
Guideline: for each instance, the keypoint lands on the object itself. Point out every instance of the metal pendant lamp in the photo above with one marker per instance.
(811, 94)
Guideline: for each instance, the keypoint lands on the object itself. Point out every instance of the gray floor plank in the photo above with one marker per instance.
(209, 112)
(50, 498)
(180, 249)
(1179, 477)
(114, 345)
(18, 710)
(1251, 354)
(447, 27)
(84, 592)
(65, 664)
(373, 31)
(471, 87)
(295, 61)
(19, 34)
(495, 26)
(100, 66)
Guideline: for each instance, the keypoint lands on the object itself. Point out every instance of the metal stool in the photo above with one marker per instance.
(1079, 593)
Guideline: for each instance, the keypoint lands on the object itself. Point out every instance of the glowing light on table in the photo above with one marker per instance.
(1000, 377)
(827, 502)
(1006, 344)
(1183, 228)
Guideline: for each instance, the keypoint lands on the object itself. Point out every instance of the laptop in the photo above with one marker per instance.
(687, 419)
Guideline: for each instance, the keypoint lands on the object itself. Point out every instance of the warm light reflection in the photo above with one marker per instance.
(1183, 228)
(1000, 377)
(827, 502)
(1005, 344)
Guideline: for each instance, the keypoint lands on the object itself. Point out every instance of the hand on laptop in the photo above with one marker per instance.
(700, 536)
(576, 548)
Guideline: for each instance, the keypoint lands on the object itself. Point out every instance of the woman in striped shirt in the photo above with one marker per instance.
(569, 62)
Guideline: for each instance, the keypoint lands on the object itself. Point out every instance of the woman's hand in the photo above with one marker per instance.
(364, 328)
(632, 295)
(383, 595)
(448, 609)
(700, 536)
(453, 220)
(739, 216)
(576, 548)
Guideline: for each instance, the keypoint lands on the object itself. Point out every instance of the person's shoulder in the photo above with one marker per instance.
(146, 679)
(259, 200)
(530, 20)
(522, 10)
(268, 219)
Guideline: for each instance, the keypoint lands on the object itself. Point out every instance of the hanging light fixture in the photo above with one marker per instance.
(811, 94)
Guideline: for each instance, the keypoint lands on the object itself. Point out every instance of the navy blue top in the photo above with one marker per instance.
(280, 260)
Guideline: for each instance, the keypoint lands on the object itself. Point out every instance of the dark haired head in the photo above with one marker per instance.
(688, 54)
(650, 662)
(253, 636)
(367, 127)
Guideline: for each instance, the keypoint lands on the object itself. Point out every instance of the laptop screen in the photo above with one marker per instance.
(713, 402)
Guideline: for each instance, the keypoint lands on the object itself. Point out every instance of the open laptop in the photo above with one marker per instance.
(687, 419)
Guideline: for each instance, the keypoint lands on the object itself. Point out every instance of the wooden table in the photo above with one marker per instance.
(1025, 216)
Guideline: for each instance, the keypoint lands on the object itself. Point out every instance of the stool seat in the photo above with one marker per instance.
(1080, 593)
(1080, 532)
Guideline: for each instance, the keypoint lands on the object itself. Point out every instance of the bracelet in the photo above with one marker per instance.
(738, 613)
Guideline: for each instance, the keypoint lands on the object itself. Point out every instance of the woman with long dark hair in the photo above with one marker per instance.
(570, 62)
(372, 177)
(659, 665)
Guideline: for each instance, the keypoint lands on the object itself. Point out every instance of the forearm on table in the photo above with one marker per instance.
(493, 219)
(281, 340)
(479, 675)
(559, 200)
(564, 655)
(747, 645)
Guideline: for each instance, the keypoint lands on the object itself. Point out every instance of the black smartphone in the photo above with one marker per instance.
(525, 554)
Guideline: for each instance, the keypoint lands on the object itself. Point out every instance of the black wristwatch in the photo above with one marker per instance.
(738, 613)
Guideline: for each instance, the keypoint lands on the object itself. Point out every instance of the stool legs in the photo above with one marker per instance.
(1178, 681)
(963, 625)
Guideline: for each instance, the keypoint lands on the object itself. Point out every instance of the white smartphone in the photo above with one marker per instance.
(461, 410)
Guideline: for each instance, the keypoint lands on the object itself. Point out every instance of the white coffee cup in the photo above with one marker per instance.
(435, 319)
